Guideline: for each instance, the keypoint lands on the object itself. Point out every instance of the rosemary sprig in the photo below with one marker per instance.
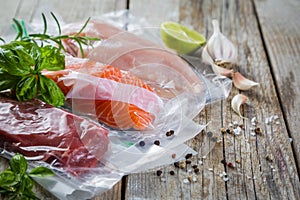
(44, 37)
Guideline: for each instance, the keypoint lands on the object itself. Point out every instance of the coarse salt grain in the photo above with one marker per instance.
(200, 162)
(237, 131)
(223, 174)
(194, 179)
(186, 180)
(225, 179)
(210, 169)
(253, 120)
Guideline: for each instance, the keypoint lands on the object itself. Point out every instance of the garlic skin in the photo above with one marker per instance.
(241, 82)
(219, 52)
(222, 71)
(236, 103)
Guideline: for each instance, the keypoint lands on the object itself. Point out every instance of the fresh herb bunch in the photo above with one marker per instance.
(16, 183)
(44, 37)
(22, 61)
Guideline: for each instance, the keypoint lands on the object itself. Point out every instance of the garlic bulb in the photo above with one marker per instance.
(241, 82)
(219, 52)
(237, 101)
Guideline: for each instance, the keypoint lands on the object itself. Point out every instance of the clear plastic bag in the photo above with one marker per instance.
(180, 90)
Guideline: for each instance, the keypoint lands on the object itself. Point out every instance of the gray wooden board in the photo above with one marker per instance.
(281, 32)
(266, 34)
(253, 176)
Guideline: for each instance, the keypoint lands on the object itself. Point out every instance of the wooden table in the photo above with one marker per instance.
(267, 34)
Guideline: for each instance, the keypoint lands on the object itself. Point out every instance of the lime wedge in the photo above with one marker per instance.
(180, 38)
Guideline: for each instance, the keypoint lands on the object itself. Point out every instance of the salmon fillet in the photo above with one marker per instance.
(114, 113)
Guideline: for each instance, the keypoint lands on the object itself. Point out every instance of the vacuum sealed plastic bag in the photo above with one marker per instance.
(122, 98)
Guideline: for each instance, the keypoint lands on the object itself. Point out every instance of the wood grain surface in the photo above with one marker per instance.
(257, 166)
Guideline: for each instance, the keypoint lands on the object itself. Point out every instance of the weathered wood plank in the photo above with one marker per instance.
(208, 185)
(70, 11)
(264, 165)
(281, 31)
(155, 12)
(277, 177)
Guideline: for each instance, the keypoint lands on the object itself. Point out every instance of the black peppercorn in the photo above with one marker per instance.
(169, 133)
(188, 156)
(158, 172)
(209, 134)
(142, 143)
(156, 142)
(188, 162)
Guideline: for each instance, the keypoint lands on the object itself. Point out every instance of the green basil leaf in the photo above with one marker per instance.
(18, 164)
(26, 88)
(25, 186)
(34, 52)
(50, 92)
(29, 183)
(15, 58)
(51, 58)
(7, 179)
(8, 81)
(41, 172)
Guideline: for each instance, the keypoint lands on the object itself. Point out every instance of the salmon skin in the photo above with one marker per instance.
(116, 98)
(42, 132)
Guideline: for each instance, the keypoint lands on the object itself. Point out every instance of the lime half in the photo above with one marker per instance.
(180, 38)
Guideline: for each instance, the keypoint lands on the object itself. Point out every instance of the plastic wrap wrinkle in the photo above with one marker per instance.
(172, 89)
(105, 89)
(28, 129)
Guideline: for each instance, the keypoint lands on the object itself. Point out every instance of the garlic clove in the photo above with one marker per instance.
(237, 101)
(219, 49)
(241, 82)
(206, 58)
(222, 71)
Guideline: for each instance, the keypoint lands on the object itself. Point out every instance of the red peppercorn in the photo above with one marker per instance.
(229, 164)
